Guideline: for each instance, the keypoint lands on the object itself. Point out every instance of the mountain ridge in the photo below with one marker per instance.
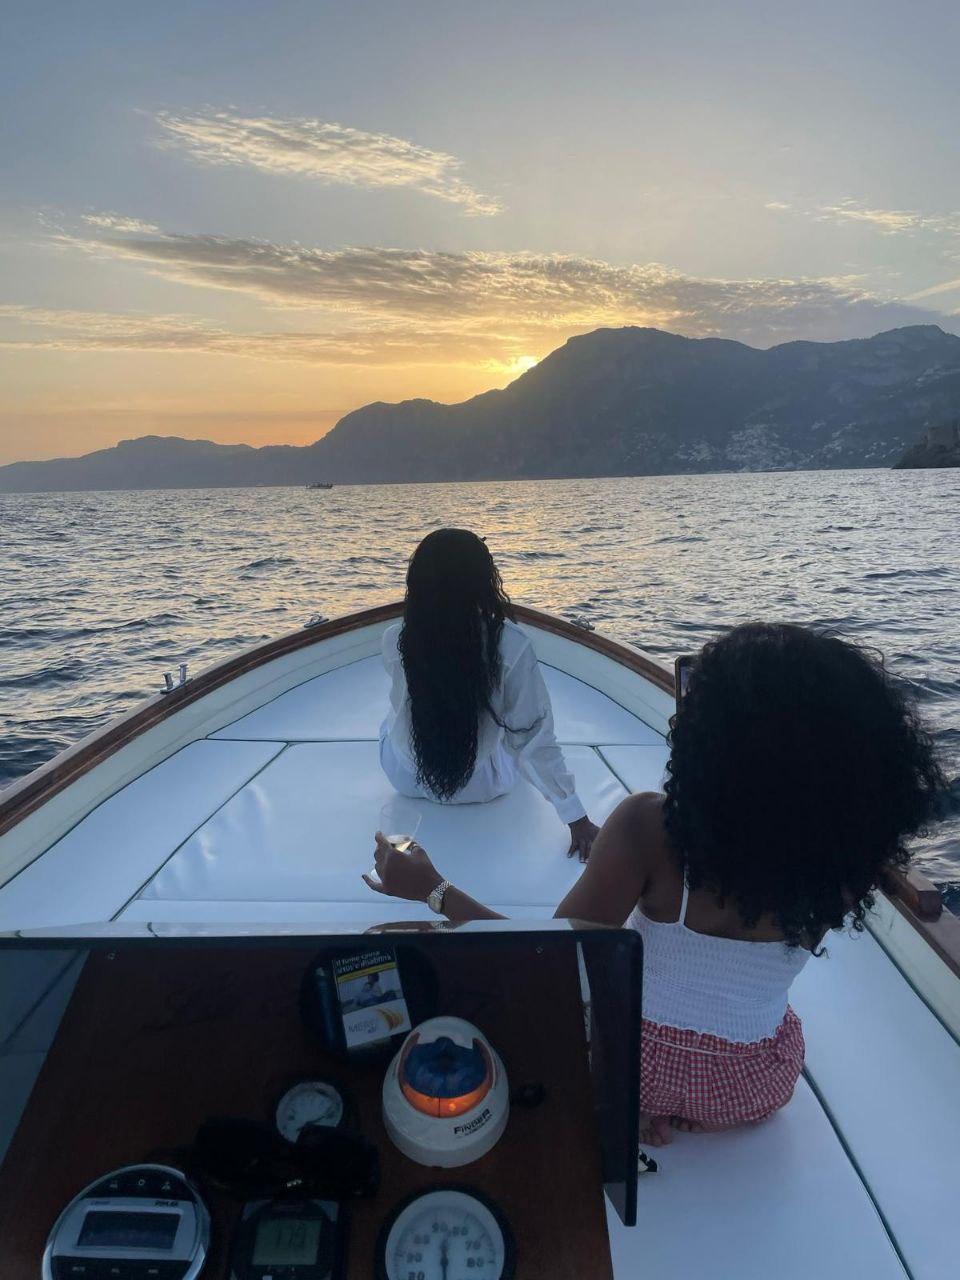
(627, 401)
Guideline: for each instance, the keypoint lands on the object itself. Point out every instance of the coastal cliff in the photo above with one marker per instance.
(940, 447)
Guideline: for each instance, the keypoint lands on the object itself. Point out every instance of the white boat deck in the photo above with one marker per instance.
(270, 818)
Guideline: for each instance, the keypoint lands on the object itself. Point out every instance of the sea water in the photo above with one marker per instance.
(103, 592)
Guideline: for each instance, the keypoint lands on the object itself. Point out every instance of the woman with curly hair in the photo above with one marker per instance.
(797, 769)
(468, 706)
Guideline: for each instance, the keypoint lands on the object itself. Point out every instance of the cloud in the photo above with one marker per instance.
(948, 286)
(503, 298)
(889, 222)
(117, 222)
(324, 150)
(936, 233)
(66, 330)
(386, 306)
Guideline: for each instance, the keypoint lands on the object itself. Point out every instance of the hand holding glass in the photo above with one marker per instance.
(400, 820)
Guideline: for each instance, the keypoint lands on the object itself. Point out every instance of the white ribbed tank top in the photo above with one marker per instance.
(724, 987)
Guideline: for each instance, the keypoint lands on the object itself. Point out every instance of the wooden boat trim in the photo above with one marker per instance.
(908, 892)
(911, 893)
(920, 895)
(919, 901)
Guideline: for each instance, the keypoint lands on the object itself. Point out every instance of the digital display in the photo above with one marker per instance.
(129, 1230)
(287, 1242)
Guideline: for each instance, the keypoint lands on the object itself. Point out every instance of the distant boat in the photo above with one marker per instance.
(319, 486)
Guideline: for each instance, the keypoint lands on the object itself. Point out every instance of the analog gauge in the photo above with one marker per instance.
(451, 1233)
(309, 1102)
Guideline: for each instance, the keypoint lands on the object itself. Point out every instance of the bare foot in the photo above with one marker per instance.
(696, 1126)
(655, 1131)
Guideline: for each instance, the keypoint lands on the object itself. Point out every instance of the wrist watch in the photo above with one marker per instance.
(435, 899)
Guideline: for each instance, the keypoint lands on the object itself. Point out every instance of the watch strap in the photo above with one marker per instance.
(435, 899)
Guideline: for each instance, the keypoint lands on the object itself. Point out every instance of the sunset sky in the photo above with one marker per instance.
(239, 220)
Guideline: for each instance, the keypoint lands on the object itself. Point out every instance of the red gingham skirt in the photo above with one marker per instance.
(718, 1082)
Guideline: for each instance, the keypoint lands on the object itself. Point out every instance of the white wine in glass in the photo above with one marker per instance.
(400, 821)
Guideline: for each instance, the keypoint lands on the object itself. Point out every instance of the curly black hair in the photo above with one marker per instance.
(449, 644)
(797, 769)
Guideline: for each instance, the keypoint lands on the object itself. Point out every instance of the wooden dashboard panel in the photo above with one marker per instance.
(157, 1040)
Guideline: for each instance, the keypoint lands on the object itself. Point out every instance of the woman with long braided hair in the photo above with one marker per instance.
(468, 705)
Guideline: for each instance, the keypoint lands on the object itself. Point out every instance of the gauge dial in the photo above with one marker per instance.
(310, 1102)
(447, 1234)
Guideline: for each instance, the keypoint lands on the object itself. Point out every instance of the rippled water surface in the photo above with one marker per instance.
(102, 592)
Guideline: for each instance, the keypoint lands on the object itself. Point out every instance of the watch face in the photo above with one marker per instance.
(310, 1102)
(447, 1234)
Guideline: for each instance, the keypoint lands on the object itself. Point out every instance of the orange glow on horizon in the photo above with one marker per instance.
(68, 408)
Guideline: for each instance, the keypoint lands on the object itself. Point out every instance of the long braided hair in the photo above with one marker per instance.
(449, 644)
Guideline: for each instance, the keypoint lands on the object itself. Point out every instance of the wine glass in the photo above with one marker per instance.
(399, 821)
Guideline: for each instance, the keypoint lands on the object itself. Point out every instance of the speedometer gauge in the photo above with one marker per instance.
(451, 1233)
